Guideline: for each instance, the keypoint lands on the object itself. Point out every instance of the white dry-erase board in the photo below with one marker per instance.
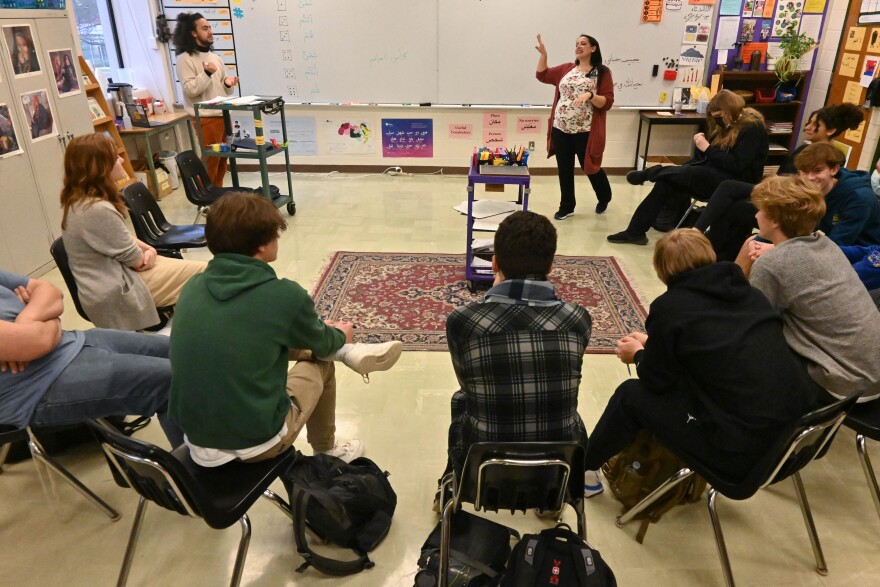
(449, 51)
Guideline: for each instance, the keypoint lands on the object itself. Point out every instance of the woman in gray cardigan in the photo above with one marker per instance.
(121, 280)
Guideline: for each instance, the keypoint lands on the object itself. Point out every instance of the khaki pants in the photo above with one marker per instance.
(167, 278)
(311, 386)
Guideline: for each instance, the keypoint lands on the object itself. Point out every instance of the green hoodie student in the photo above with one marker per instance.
(235, 329)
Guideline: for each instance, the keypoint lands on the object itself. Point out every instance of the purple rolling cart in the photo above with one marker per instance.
(501, 175)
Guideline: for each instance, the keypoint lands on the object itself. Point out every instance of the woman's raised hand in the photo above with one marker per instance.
(540, 47)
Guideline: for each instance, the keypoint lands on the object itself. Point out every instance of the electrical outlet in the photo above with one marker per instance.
(531, 145)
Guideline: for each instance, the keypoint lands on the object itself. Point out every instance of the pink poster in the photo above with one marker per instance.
(461, 131)
(494, 129)
(528, 125)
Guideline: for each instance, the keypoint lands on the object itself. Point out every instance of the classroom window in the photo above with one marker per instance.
(97, 33)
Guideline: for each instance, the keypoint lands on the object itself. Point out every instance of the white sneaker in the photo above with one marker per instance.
(592, 484)
(346, 452)
(365, 358)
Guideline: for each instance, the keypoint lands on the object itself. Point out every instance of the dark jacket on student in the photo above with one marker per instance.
(853, 210)
(596, 142)
(714, 337)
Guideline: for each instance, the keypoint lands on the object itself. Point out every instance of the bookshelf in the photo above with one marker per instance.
(106, 123)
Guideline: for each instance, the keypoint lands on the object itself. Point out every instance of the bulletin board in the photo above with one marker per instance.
(859, 48)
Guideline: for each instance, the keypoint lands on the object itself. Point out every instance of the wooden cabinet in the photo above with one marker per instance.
(106, 123)
(782, 142)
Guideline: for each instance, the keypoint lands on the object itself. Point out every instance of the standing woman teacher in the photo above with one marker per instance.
(584, 93)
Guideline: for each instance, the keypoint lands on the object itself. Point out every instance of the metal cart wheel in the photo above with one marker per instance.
(291, 208)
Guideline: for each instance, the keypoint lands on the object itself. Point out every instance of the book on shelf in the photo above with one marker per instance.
(95, 109)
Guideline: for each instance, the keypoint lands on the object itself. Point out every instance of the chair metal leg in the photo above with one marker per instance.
(719, 539)
(40, 454)
(243, 544)
(861, 447)
(691, 207)
(132, 542)
(445, 538)
(279, 502)
(821, 567)
(679, 476)
(4, 452)
(582, 520)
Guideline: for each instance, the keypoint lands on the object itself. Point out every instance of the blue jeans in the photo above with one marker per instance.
(115, 373)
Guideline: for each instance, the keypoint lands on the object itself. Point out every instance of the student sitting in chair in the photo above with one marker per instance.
(236, 326)
(54, 377)
(830, 321)
(121, 280)
(716, 377)
(518, 353)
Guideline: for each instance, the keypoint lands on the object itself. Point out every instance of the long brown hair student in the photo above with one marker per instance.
(91, 169)
(733, 147)
(121, 279)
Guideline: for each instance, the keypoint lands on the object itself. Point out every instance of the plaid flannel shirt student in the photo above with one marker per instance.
(517, 355)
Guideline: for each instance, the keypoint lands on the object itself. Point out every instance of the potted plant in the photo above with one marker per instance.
(794, 46)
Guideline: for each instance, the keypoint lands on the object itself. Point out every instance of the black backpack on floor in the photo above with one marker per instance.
(556, 556)
(478, 552)
(349, 504)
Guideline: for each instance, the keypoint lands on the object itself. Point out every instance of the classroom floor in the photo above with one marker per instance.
(402, 416)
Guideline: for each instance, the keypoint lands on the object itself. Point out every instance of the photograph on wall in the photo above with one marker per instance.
(66, 81)
(21, 50)
(38, 115)
(8, 141)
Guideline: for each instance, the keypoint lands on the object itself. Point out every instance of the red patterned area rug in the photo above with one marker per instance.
(407, 296)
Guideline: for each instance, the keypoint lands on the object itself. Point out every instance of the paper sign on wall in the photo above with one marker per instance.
(407, 137)
(854, 39)
(848, 64)
(855, 135)
(528, 125)
(874, 41)
(853, 93)
(652, 10)
(461, 131)
(869, 69)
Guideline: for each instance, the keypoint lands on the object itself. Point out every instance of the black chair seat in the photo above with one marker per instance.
(864, 418)
(220, 496)
(182, 236)
(151, 226)
(225, 493)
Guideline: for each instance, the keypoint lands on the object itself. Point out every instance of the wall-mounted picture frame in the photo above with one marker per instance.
(38, 115)
(9, 144)
(20, 48)
(67, 82)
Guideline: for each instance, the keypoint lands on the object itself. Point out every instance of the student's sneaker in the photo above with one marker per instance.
(592, 484)
(562, 215)
(625, 238)
(365, 358)
(346, 452)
